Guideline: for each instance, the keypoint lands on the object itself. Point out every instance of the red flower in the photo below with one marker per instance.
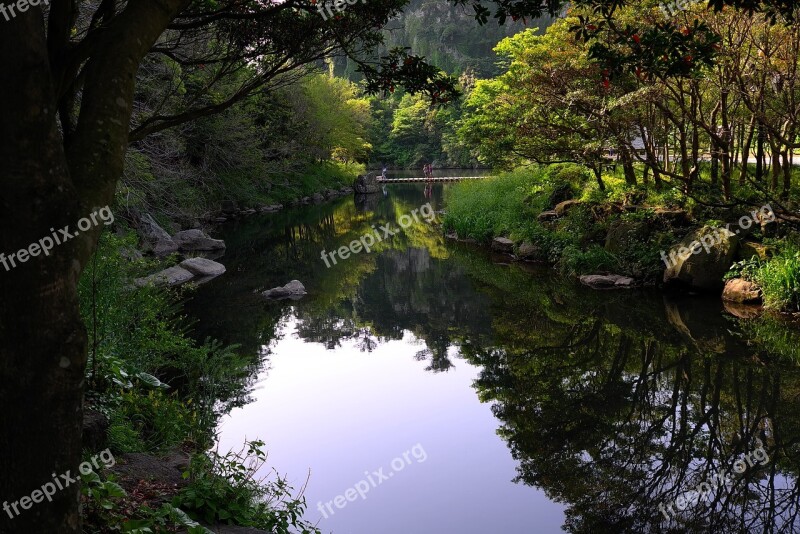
(637, 38)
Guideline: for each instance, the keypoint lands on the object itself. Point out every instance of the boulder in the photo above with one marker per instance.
(502, 244)
(228, 207)
(173, 276)
(624, 234)
(366, 184)
(675, 217)
(751, 249)
(562, 208)
(548, 215)
(203, 267)
(527, 251)
(191, 240)
(741, 291)
(95, 426)
(293, 290)
(154, 237)
(607, 281)
(318, 198)
(701, 259)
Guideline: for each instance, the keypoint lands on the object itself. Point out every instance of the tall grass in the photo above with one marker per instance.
(779, 279)
(481, 209)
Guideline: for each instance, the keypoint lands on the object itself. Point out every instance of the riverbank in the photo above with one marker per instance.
(559, 216)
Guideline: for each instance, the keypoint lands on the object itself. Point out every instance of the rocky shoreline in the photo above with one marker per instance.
(697, 263)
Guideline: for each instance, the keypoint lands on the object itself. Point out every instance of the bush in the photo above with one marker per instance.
(226, 489)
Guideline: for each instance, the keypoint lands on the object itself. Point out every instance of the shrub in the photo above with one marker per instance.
(226, 489)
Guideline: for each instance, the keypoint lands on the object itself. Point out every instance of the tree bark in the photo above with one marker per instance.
(43, 342)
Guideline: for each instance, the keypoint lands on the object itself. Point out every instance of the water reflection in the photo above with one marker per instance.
(612, 403)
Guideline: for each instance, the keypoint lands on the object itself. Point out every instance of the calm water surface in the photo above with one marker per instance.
(464, 395)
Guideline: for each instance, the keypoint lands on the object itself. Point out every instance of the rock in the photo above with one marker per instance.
(154, 237)
(563, 207)
(248, 211)
(702, 258)
(293, 290)
(318, 198)
(502, 244)
(529, 252)
(219, 219)
(673, 217)
(451, 235)
(173, 276)
(548, 215)
(191, 240)
(346, 190)
(751, 249)
(624, 234)
(560, 193)
(366, 184)
(130, 254)
(133, 467)
(306, 200)
(741, 291)
(95, 426)
(330, 193)
(228, 207)
(607, 281)
(203, 267)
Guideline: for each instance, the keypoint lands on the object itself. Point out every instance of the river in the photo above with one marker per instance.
(429, 387)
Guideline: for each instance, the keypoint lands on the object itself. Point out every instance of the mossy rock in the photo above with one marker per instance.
(750, 249)
(701, 259)
(623, 234)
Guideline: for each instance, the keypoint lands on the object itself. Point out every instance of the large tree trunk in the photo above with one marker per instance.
(45, 189)
(42, 339)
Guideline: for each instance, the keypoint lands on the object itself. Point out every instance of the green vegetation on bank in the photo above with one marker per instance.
(595, 233)
(509, 205)
(163, 391)
(305, 136)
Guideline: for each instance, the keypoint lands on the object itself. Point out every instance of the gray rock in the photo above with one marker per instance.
(191, 240)
(366, 184)
(293, 290)
(607, 281)
(318, 198)
(529, 252)
(172, 276)
(702, 258)
(203, 267)
(154, 237)
(502, 244)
